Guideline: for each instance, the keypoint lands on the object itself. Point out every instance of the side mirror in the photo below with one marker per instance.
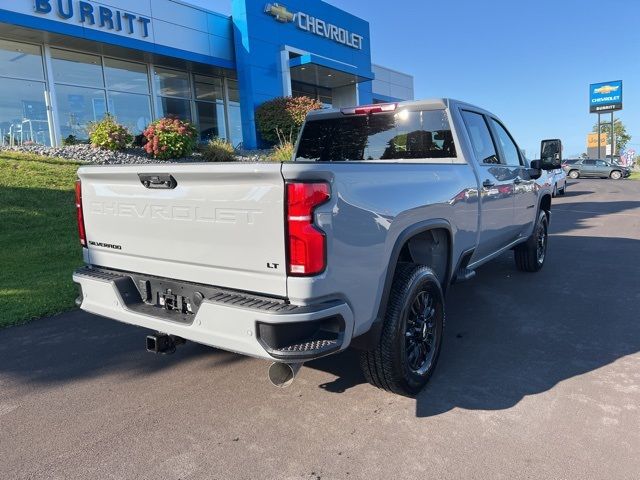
(551, 154)
(535, 171)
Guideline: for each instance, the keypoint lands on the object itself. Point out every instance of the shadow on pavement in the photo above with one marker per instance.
(567, 320)
(575, 193)
(76, 345)
(512, 334)
(587, 210)
(509, 334)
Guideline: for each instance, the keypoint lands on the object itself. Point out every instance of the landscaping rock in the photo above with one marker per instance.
(90, 155)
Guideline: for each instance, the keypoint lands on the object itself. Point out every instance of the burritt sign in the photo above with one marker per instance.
(314, 25)
(94, 15)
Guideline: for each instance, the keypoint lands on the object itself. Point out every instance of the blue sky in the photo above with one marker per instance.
(529, 62)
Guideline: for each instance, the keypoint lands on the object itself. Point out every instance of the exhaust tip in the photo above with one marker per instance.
(282, 375)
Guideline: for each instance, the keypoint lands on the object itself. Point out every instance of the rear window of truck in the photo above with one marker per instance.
(403, 135)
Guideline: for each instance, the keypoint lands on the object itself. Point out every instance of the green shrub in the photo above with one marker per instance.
(218, 150)
(109, 134)
(169, 138)
(280, 119)
(282, 152)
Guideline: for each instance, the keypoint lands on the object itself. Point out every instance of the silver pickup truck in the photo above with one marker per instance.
(354, 242)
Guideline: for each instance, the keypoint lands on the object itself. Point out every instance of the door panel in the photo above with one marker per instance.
(525, 196)
(588, 168)
(496, 192)
(602, 168)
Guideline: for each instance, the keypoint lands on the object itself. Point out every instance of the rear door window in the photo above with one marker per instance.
(481, 139)
(404, 135)
(509, 148)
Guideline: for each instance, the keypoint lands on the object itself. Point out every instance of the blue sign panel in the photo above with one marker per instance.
(276, 40)
(605, 97)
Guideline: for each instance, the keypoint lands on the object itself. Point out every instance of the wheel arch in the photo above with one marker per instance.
(421, 242)
(545, 203)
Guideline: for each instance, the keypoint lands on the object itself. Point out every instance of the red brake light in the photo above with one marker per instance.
(307, 244)
(369, 109)
(81, 231)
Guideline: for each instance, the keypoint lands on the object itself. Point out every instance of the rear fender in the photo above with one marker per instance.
(371, 338)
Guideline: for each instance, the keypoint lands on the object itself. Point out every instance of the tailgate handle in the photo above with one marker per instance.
(158, 180)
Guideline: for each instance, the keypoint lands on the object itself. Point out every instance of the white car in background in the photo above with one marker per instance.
(558, 181)
(555, 180)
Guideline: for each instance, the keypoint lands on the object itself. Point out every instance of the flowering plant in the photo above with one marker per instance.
(109, 134)
(170, 138)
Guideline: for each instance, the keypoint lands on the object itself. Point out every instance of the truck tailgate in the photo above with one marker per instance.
(222, 224)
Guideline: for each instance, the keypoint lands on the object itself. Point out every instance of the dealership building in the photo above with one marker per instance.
(66, 63)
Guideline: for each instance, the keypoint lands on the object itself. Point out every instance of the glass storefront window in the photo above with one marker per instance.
(208, 88)
(322, 94)
(233, 90)
(23, 113)
(88, 86)
(131, 110)
(235, 124)
(209, 93)
(172, 83)
(211, 120)
(77, 68)
(174, 107)
(233, 113)
(77, 107)
(20, 60)
(126, 76)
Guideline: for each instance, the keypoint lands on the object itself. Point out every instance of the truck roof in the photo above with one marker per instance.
(425, 104)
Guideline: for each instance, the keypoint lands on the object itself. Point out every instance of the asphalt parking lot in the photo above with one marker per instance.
(539, 378)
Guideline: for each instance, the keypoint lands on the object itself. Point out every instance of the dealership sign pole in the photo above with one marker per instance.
(605, 97)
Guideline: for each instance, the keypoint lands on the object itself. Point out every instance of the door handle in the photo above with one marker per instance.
(488, 184)
(157, 181)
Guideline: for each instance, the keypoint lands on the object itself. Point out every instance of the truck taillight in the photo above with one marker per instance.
(82, 234)
(307, 243)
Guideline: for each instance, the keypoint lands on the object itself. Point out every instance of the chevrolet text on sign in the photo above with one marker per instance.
(315, 25)
(605, 97)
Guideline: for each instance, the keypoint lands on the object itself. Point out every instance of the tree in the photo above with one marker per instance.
(279, 120)
(620, 131)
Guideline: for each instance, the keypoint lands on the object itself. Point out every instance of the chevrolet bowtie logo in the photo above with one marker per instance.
(279, 12)
(607, 89)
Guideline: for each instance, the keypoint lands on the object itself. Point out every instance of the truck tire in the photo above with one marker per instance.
(409, 345)
(530, 255)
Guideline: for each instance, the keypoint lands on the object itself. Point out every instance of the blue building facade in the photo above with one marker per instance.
(66, 63)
